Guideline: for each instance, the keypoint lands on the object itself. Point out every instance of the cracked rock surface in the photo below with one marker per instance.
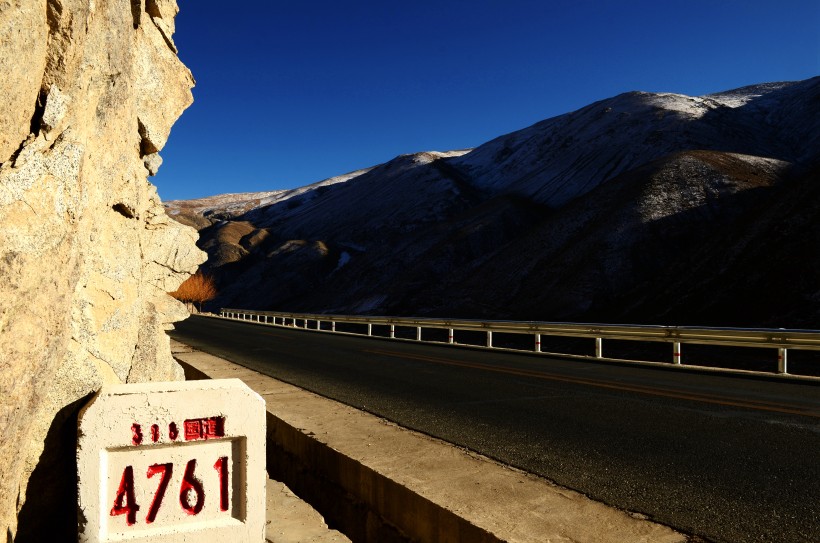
(87, 254)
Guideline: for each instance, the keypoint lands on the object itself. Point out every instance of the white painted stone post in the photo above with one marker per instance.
(676, 353)
(172, 462)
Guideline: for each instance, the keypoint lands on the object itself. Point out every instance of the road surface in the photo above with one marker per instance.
(728, 458)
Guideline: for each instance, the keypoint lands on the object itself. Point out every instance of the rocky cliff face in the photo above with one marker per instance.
(87, 254)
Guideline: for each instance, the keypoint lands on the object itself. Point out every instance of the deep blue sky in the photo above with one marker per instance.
(293, 92)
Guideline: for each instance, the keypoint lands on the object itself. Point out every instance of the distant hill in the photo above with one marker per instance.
(644, 208)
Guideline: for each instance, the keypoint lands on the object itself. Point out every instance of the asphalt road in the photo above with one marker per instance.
(727, 458)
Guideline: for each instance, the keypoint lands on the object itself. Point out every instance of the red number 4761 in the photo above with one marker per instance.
(190, 491)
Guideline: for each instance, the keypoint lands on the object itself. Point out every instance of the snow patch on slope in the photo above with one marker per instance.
(237, 203)
(742, 96)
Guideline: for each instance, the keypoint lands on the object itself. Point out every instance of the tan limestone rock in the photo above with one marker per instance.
(87, 253)
(23, 39)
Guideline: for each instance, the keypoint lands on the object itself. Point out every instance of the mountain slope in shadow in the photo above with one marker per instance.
(643, 208)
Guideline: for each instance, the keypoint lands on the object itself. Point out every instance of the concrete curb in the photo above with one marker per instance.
(382, 483)
(288, 518)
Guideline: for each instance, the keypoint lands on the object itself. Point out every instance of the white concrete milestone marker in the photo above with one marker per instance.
(172, 462)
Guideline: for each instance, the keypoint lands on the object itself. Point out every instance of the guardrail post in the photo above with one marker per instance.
(489, 339)
(418, 333)
(599, 347)
(332, 326)
(676, 354)
(318, 324)
(392, 331)
(781, 360)
(450, 336)
(369, 329)
(537, 343)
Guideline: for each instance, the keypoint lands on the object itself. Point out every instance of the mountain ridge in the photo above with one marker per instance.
(593, 203)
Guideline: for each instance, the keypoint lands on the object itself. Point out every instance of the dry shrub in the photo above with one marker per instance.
(197, 289)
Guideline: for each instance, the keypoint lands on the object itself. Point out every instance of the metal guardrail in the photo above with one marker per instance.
(781, 340)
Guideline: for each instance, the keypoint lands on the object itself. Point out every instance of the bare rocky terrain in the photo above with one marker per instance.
(87, 253)
(643, 208)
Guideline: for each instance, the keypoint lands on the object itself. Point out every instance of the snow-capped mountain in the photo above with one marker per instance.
(645, 207)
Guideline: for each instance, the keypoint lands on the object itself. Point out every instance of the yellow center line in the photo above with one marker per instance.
(640, 389)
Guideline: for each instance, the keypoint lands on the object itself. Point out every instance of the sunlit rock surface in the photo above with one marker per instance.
(87, 252)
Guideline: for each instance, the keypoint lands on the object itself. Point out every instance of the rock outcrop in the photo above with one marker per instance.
(87, 254)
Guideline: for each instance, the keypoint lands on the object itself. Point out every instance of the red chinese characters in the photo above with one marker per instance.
(207, 428)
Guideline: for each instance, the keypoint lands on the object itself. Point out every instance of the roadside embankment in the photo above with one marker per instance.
(378, 482)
